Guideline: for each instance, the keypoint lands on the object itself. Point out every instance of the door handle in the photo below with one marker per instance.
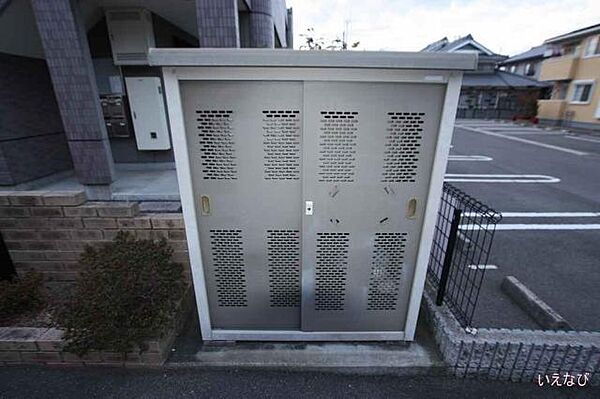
(411, 208)
(205, 205)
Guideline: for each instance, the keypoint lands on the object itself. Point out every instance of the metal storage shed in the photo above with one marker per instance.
(310, 183)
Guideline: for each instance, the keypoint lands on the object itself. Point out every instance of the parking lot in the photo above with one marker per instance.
(547, 186)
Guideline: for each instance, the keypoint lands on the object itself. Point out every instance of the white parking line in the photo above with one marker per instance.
(483, 267)
(541, 214)
(468, 158)
(517, 129)
(522, 140)
(588, 139)
(491, 178)
(523, 133)
(534, 227)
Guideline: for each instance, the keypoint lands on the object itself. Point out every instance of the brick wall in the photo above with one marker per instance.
(47, 231)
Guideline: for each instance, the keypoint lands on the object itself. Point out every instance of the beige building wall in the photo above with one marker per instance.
(588, 68)
(569, 69)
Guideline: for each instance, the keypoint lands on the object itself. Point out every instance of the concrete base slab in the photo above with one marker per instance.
(131, 184)
(356, 357)
(396, 358)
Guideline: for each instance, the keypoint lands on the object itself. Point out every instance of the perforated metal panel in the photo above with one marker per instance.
(403, 146)
(282, 155)
(245, 146)
(337, 146)
(356, 150)
(283, 256)
(331, 270)
(217, 144)
(386, 271)
(230, 273)
(365, 147)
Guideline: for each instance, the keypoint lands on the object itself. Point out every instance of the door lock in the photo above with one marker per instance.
(308, 208)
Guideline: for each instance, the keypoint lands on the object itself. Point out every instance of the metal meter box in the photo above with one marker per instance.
(131, 35)
(148, 113)
(310, 183)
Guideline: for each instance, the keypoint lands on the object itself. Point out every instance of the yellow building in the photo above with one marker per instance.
(574, 70)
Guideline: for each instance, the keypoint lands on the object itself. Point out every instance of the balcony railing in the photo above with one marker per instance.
(551, 109)
(559, 68)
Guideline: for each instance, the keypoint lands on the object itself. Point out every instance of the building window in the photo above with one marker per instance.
(513, 68)
(569, 49)
(559, 91)
(582, 91)
(593, 47)
(529, 69)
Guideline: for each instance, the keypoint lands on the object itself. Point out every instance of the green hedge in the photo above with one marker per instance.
(128, 291)
(20, 295)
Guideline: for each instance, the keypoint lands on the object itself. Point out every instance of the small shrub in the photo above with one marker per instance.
(127, 292)
(20, 295)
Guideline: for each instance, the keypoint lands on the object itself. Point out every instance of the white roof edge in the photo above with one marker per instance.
(296, 58)
(474, 44)
(573, 35)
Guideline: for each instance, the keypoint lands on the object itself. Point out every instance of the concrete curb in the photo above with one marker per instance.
(534, 306)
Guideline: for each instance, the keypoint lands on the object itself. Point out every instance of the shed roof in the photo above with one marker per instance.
(293, 58)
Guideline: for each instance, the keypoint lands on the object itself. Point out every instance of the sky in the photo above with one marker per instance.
(506, 27)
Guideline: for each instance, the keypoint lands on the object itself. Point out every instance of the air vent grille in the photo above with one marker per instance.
(283, 258)
(217, 145)
(331, 270)
(403, 146)
(228, 263)
(337, 146)
(281, 140)
(386, 270)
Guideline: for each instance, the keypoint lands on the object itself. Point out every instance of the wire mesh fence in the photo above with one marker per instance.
(460, 251)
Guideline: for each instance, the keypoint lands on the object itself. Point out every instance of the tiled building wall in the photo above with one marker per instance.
(217, 23)
(32, 140)
(262, 30)
(68, 58)
(47, 231)
(280, 21)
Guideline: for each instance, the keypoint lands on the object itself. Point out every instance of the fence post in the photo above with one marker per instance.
(448, 256)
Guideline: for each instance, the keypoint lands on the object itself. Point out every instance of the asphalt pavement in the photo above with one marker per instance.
(46, 382)
(547, 185)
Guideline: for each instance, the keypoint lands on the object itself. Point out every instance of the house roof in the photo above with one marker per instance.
(534, 52)
(500, 79)
(460, 44)
(576, 34)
